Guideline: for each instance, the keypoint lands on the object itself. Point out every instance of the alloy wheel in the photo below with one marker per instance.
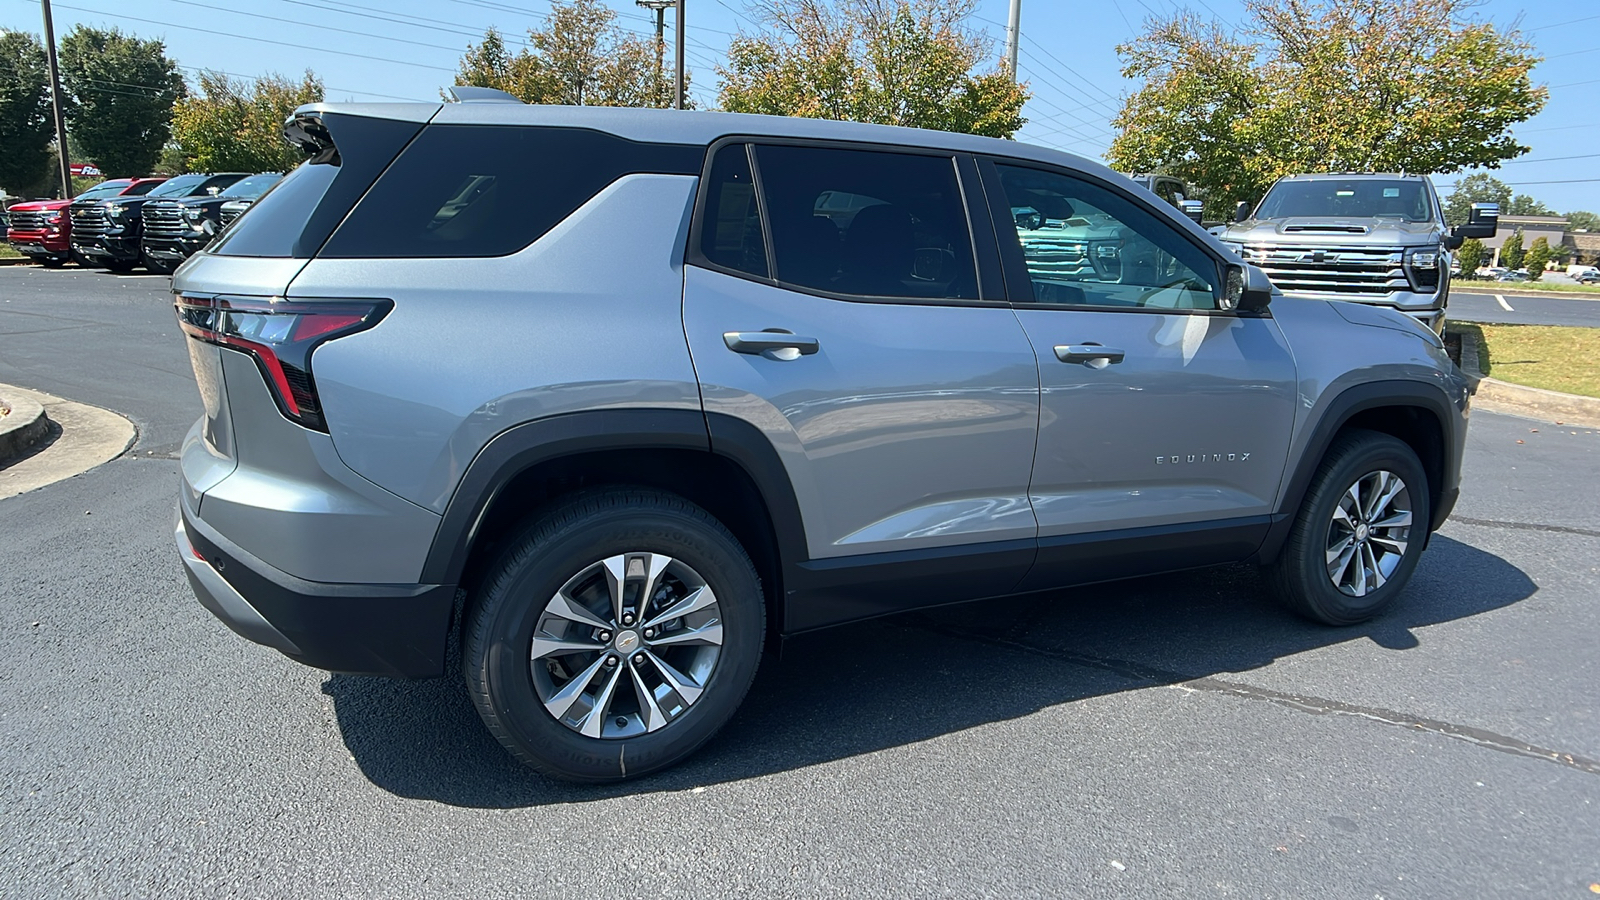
(1368, 535)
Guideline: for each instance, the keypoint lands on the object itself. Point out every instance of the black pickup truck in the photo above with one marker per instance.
(107, 232)
(174, 230)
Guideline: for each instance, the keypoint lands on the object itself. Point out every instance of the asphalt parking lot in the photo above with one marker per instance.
(1171, 736)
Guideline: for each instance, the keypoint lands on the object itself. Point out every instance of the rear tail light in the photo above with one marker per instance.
(280, 335)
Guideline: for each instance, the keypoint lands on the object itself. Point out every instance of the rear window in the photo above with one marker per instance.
(142, 188)
(104, 189)
(294, 218)
(490, 190)
(180, 186)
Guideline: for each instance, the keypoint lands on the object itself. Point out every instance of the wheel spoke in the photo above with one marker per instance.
(1341, 565)
(596, 719)
(1398, 519)
(1342, 516)
(1354, 495)
(1395, 486)
(698, 599)
(710, 633)
(547, 646)
(562, 701)
(1338, 550)
(655, 567)
(1360, 585)
(1377, 574)
(1390, 544)
(1379, 486)
(653, 716)
(565, 607)
(616, 580)
(680, 683)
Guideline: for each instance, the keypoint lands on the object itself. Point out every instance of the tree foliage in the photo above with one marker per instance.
(1479, 188)
(893, 62)
(1537, 258)
(26, 127)
(1583, 220)
(1470, 255)
(121, 90)
(229, 125)
(1323, 86)
(1524, 205)
(581, 57)
(1512, 252)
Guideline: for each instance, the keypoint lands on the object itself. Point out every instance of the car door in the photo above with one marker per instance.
(833, 301)
(1164, 419)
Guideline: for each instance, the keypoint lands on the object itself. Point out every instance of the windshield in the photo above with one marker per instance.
(179, 186)
(1356, 198)
(252, 187)
(106, 189)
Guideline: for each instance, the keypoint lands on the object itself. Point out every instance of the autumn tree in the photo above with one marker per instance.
(228, 125)
(581, 57)
(120, 91)
(1470, 255)
(25, 124)
(894, 62)
(1537, 258)
(1512, 252)
(1320, 86)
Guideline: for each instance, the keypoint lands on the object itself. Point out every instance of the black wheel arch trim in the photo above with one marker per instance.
(1351, 402)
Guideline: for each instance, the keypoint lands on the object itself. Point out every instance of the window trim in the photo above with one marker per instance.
(694, 257)
(1019, 284)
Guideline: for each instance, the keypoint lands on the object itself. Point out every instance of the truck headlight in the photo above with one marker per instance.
(1422, 266)
(116, 210)
(1423, 259)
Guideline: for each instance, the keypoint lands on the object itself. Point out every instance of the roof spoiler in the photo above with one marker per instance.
(461, 93)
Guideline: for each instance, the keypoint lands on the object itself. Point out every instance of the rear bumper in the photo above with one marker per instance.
(364, 629)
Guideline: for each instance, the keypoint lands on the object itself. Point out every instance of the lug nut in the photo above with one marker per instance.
(627, 618)
(603, 636)
(611, 660)
(649, 632)
(638, 659)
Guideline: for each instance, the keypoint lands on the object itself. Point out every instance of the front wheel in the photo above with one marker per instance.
(615, 636)
(120, 266)
(1359, 532)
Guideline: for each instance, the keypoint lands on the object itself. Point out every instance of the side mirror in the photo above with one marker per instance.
(1241, 211)
(1193, 209)
(1028, 218)
(1248, 289)
(1453, 241)
(1482, 222)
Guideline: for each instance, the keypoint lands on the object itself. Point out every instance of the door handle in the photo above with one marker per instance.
(758, 342)
(1087, 353)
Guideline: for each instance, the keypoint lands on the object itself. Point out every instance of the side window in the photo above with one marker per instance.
(730, 227)
(1086, 246)
(867, 223)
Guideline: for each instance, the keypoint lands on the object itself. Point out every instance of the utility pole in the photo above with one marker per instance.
(678, 85)
(1013, 35)
(55, 102)
(659, 7)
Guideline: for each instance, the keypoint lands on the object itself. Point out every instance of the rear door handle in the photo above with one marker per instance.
(1088, 353)
(758, 342)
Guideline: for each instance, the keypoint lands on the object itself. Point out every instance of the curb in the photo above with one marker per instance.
(16, 261)
(80, 437)
(25, 426)
(1503, 396)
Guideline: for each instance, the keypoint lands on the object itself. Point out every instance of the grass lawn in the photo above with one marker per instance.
(7, 253)
(1553, 357)
(1497, 287)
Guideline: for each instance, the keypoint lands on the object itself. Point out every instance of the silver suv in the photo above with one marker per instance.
(1378, 239)
(632, 395)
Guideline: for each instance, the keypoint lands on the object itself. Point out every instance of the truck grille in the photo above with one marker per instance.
(89, 221)
(28, 220)
(1356, 271)
(1059, 257)
(231, 211)
(163, 220)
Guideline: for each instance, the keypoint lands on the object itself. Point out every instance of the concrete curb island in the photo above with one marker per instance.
(22, 428)
(84, 437)
(1502, 396)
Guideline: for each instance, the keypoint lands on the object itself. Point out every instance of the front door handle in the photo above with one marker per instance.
(758, 342)
(1088, 353)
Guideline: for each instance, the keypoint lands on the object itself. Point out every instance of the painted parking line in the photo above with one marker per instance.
(1503, 304)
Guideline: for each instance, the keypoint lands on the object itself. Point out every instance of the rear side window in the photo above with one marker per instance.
(296, 217)
(730, 227)
(488, 190)
(867, 223)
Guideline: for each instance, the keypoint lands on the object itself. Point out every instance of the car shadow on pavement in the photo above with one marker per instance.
(901, 680)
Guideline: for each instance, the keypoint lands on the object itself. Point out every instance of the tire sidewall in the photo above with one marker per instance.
(538, 568)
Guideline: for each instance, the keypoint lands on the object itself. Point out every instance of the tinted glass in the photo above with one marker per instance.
(730, 227)
(254, 186)
(294, 218)
(180, 186)
(485, 190)
(1348, 198)
(1086, 246)
(104, 189)
(867, 223)
(144, 187)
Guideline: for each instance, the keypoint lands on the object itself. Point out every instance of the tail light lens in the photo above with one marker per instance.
(280, 335)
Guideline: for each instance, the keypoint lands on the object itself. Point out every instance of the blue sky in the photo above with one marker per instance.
(406, 49)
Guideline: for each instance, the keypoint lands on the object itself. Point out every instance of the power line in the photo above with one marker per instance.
(1511, 162)
(240, 12)
(1568, 22)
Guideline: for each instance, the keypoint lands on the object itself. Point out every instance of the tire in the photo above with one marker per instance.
(120, 266)
(1336, 588)
(53, 262)
(610, 734)
(156, 266)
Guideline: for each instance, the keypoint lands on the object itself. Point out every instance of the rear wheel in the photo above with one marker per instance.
(1359, 532)
(615, 636)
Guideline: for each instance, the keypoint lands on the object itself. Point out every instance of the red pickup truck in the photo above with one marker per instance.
(43, 230)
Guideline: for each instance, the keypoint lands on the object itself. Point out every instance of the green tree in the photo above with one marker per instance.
(1524, 205)
(121, 91)
(1471, 256)
(1323, 85)
(893, 62)
(1479, 188)
(1582, 220)
(1511, 252)
(1537, 258)
(234, 126)
(581, 57)
(26, 128)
